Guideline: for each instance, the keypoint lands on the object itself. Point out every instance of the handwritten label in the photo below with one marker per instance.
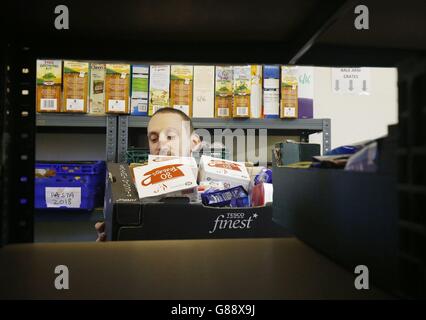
(63, 197)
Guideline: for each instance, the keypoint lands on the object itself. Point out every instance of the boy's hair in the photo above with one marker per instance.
(176, 111)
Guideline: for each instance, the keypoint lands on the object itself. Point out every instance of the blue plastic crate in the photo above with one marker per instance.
(74, 185)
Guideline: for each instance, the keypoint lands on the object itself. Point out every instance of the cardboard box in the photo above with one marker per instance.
(203, 103)
(256, 91)
(139, 92)
(292, 152)
(49, 82)
(271, 91)
(241, 91)
(305, 93)
(181, 78)
(224, 92)
(117, 84)
(128, 219)
(230, 172)
(97, 89)
(189, 161)
(159, 88)
(158, 179)
(289, 84)
(76, 80)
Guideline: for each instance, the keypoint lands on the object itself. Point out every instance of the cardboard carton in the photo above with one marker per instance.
(97, 89)
(224, 92)
(159, 88)
(76, 79)
(203, 103)
(271, 91)
(289, 84)
(139, 95)
(230, 172)
(241, 91)
(156, 180)
(189, 161)
(256, 91)
(117, 88)
(181, 77)
(49, 81)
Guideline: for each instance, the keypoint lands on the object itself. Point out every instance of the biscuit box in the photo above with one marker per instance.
(189, 161)
(231, 172)
(159, 179)
(127, 218)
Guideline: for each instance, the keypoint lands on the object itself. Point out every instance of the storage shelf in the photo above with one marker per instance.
(311, 125)
(70, 120)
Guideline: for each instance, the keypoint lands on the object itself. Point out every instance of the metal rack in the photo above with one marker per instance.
(118, 127)
(86, 121)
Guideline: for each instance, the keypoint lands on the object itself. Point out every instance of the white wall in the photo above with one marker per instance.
(356, 118)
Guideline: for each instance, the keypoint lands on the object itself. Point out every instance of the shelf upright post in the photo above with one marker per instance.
(17, 106)
(111, 138)
(326, 135)
(122, 139)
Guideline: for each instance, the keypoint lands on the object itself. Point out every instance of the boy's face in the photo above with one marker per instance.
(169, 134)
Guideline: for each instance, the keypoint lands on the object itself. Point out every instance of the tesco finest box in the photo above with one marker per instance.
(128, 219)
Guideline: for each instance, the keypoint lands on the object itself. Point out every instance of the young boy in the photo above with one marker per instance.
(171, 133)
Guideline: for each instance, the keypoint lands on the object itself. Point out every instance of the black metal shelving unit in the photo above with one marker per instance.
(321, 33)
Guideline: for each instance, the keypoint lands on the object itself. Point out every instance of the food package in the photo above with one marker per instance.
(117, 88)
(271, 91)
(265, 175)
(223, 92)
(242, 91)
(49, 82)
(76, 81)
(256, 91)
(169, 178)
(97, 89)
(139, 95)
(181, 77)
(233, 197)
(159, 88)
(209, 186)
(189, 161)
(203, 104)
(261, 194)
(231, 172)
(289, 84)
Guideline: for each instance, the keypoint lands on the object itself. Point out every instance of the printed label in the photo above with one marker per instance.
(63, 197)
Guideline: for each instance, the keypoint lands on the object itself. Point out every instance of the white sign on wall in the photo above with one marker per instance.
(351, 80)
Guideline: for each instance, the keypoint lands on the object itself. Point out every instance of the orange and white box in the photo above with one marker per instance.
(189, 161)
(232, 173)
(169, 178)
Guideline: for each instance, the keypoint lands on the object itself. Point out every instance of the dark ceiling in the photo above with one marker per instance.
(267, 31)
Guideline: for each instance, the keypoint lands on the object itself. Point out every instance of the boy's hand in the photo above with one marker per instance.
(100, 228)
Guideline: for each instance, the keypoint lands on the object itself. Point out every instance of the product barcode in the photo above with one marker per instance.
(242, 111)
(48, 104)
(223, 112)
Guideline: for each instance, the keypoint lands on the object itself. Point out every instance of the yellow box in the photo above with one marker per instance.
(76, 76)
(117, 88)
(48, 87)
(181, 91)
